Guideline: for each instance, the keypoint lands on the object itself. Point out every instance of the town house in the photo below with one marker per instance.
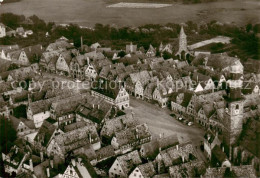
(116, 95)
(143, 170)
(77, 66)
(131, 138)
(136, 82)
(64, 143)
(210, 141)
(124, 164)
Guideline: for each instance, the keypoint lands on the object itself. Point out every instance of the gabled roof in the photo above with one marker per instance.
(117, 124)
(59, 44)
(45, 133)
(109, 90)
(77, 138)
(147, 170)
(131, 135)
(143, 77)
(129, 161)
(151, 149)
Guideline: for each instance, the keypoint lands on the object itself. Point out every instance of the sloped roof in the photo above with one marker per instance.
(147, 170)
(117, 124)
(45, 133)
(130, 135)
(129, 161)
(219, 154)
(151, 149)
(105, 152)
(77, 138)
(143, 77)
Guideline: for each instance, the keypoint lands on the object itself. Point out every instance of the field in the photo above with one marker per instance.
(138, 5)
(90, 12)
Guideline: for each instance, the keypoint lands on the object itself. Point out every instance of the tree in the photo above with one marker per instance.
(13, 67)
(166, 55)
(11, 20)
(249, 27)
(121, 54)
(7, 135)
(20, 111)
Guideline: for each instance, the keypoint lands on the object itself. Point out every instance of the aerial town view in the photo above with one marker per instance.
(129, 88)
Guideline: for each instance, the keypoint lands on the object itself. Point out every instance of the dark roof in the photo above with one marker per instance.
(105, 152)
(250, 137)
(45, 132)
(107, 89)
(219, 154)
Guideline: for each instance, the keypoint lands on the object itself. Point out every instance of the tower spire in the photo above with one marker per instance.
(183, 49)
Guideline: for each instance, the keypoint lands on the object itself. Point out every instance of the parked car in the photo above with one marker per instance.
(190, 123)
(180, 118)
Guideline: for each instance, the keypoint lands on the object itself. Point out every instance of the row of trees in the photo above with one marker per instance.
(245, 40)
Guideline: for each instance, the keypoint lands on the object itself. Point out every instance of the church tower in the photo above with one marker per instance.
(183, 50)
(233, 116)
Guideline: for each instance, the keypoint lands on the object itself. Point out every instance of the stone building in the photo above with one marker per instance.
(183, 52)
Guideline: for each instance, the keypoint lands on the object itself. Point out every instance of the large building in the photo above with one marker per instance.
(233, 116)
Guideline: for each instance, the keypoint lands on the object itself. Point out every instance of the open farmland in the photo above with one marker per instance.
(90, 12)
(138, 5)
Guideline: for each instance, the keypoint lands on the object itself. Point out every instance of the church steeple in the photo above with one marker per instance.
(182, 45)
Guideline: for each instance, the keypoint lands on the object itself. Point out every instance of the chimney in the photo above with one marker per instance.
(51, 163)
(98, 106)
(93, 105)
(160, 135)
(177, 146)
(41, 47)
(31, 165)
(48, 171)
(41, 154)
(16, 150)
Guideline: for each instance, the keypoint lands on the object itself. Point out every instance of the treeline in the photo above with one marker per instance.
(245, 43)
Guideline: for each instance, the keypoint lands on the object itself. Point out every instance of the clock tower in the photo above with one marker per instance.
(233, 116)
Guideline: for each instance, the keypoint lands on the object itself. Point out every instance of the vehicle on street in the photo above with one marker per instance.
(190, 123)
